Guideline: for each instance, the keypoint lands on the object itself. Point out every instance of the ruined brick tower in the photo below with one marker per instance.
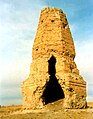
(53, 73)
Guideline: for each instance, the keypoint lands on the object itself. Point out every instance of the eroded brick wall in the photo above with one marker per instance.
(53, 42)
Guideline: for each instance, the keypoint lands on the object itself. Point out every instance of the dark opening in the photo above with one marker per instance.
(64, 25)
(53, 90)
(51, 66)
(52, 20)
(36, 49)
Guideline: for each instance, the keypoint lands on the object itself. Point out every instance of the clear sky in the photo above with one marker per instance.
(18, 24)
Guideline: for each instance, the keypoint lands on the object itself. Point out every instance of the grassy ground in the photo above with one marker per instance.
(51, 111)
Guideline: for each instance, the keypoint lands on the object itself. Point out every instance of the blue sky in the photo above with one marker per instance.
(18, 24)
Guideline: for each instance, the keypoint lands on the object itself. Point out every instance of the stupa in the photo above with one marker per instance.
(53, 72)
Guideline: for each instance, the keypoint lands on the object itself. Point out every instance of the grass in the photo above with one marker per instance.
(51, 111)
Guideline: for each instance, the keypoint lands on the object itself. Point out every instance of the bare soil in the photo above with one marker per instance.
(50, 111)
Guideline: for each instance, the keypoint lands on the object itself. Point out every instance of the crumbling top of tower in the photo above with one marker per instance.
(53, 35)
(51, 9)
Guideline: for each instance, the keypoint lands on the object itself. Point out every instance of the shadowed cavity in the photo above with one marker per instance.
(53, 90)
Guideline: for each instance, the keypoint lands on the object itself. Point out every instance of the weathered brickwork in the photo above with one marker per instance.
(53, 73)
